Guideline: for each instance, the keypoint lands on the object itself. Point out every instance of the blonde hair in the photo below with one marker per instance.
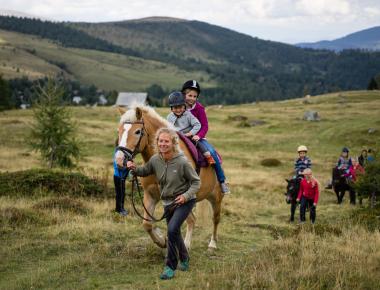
(173, 136)
(308, 171)
(189, 90)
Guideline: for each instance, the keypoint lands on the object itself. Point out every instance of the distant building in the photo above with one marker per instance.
(126, 99)
(102, 100)
(77, 100)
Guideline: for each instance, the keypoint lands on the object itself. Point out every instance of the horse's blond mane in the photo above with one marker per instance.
(130, 115)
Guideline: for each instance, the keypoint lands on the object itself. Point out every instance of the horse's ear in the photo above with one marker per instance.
(287, 180)
(121, 110)
(138, 113)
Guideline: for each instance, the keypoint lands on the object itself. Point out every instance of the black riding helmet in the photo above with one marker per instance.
(176, 99)
(191, 84)
(345, 149)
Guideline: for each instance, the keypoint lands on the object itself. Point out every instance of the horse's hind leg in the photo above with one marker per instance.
(189, 231)
(341, 195)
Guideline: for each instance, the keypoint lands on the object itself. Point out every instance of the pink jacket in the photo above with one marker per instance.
(199, 112)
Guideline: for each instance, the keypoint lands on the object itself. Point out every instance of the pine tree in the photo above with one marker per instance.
(5, 94)
(53, 134)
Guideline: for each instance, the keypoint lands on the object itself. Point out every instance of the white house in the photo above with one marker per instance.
(77, 100)
(128, 98)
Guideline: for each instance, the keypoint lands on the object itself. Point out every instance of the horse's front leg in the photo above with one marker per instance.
(189, 230)
(154, 232)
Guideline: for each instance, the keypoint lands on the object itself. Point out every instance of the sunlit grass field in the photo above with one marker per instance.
(93, 248)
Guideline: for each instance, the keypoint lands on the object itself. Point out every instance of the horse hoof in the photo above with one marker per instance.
(212, 245)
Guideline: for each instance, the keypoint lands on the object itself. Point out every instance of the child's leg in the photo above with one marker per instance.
(303, 209)
(118, 182)
(218, 167)
(313, 211)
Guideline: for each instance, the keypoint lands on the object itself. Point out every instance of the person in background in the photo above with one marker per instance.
(371, 156)
(119, 177)
(363, 158)
(308, 195)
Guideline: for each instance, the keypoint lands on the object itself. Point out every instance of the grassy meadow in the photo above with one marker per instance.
(50, 242)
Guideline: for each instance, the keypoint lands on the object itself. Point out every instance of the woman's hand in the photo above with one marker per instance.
(196, 138)
(188, 134)
(131, 165)
(180, 199)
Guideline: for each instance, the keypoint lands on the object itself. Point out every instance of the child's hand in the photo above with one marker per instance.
(298, 200)
(131, 165)
(188, 134)
(196, 138)
(314, 204)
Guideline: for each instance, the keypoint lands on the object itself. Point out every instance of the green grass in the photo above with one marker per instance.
(49, 242)
(108, 71)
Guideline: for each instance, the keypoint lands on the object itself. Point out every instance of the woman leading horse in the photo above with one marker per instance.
(137, 131)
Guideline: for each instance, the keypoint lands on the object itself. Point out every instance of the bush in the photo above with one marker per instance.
(369, 183)
(29, 182)
(270, 162)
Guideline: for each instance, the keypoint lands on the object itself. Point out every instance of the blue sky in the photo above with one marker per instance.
(289, 21)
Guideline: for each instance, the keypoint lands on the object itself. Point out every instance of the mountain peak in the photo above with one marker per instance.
(157, 19)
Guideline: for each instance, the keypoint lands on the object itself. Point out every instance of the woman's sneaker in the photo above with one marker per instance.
(167, 274)
(225, 188)
(184, 265)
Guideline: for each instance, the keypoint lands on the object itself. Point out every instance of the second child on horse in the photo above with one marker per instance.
(191, 90)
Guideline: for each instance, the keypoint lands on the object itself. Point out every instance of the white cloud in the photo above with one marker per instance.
(282, 20)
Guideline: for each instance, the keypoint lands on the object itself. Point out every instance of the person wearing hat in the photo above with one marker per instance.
(191, 90)
(186, 123)
(302, 162)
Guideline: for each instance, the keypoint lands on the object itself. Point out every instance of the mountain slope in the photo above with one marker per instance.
(365, 39)
(235, 67)
(34, 57)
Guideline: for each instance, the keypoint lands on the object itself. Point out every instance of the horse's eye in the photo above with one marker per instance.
(138, 132)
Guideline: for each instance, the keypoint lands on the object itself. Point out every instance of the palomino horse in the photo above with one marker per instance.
(137, 130)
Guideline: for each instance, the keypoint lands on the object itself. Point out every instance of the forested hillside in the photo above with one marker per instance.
(240, 68)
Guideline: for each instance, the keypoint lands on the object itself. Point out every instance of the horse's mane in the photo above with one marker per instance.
(130, 115)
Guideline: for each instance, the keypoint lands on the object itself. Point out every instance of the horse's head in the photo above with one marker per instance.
(338, 177)
(132, 135)
(292, 188)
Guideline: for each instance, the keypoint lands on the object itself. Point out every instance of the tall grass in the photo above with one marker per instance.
(77, 242)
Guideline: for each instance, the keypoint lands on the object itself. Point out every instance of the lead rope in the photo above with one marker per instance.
(153, 219)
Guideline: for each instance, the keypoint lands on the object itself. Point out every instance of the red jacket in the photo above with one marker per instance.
(309, 189)
(354, 171)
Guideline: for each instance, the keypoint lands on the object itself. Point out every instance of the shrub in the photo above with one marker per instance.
(369, 183)
(28, 182)
(270, 162)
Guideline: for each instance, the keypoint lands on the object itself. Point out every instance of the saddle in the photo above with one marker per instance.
(199, 159)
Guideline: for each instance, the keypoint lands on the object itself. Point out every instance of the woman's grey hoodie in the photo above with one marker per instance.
(175, 176)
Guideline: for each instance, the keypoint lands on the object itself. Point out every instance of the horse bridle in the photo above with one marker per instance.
(129, 155)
